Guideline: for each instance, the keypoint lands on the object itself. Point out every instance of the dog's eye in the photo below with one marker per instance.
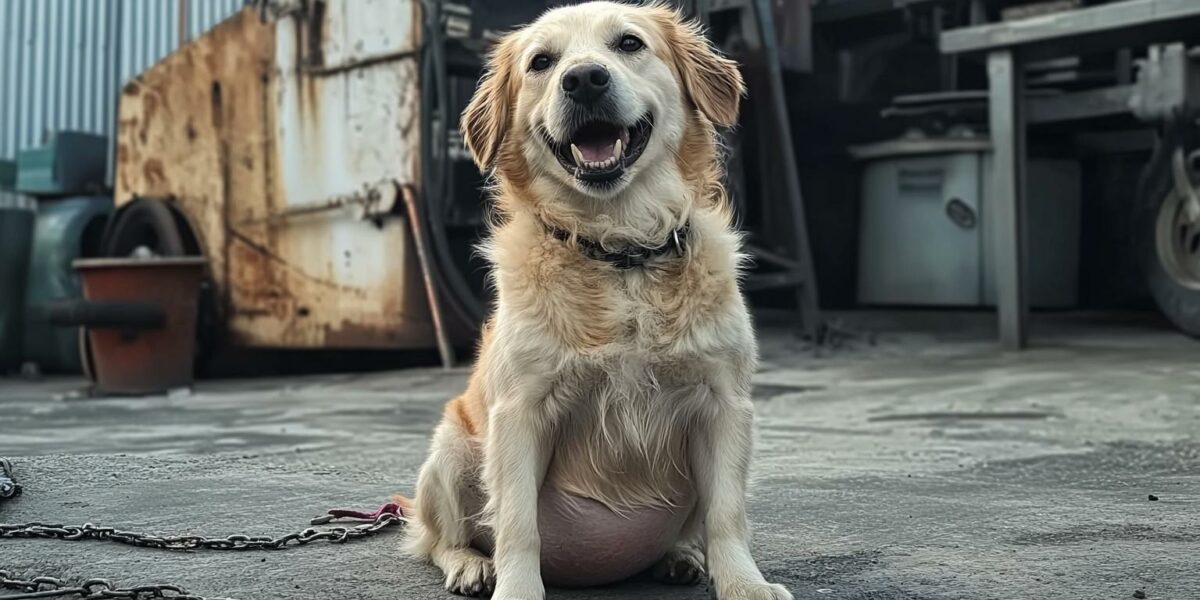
(541, 62)
(630, 43)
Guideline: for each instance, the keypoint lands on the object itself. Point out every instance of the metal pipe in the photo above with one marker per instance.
(322, 71)
(445, 350)
(296, 211)
(807, 292)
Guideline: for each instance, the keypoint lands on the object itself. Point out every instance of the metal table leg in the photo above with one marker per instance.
(1007, 198)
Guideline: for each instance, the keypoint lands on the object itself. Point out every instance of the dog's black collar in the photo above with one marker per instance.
(629, 257)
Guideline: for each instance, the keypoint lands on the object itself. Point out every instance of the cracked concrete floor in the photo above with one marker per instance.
(928, 466)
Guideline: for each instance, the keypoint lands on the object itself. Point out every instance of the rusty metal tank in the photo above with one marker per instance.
(287, 137)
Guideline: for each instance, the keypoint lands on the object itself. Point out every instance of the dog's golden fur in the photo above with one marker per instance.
(625, 387)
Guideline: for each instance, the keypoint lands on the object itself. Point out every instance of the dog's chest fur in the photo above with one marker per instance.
(623, 428)
(635, 350)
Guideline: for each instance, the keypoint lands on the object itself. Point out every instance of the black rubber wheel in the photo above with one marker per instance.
(1169, 243)
(150, 223)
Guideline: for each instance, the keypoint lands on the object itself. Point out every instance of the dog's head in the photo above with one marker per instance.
(589, 96)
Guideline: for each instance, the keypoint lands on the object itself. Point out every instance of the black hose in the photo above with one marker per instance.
(435, 166)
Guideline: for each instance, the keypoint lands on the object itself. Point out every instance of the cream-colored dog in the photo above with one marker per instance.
(607, 427)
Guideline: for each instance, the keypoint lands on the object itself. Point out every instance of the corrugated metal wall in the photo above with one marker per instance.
(55, 70)
(62, 62)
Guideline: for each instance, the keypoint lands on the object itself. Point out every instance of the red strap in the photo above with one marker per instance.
(391, 508)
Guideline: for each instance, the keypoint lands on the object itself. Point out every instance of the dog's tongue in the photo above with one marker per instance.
(596, 151)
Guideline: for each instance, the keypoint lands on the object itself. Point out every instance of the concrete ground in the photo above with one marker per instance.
(926, 466)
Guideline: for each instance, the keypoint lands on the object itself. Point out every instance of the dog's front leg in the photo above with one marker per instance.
(720, 462)
(518, 452)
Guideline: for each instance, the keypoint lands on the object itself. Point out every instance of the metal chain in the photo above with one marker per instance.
(92, 589)
(335, 535)
(96, 589)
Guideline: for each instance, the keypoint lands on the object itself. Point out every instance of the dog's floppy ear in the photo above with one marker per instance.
(487, 117)
(711, 81)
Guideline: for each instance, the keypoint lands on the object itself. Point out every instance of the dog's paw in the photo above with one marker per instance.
(752, 590)
(469, 573)
(683, 565)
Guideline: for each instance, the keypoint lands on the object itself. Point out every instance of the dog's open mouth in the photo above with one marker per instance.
(599, 152)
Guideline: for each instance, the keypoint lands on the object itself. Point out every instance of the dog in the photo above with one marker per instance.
(606, 429)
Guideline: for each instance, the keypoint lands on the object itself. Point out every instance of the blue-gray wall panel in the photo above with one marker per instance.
(62, 62)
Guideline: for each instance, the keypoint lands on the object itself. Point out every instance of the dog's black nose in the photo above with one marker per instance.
(586, 83)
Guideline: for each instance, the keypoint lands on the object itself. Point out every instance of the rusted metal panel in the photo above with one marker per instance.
(262, 144)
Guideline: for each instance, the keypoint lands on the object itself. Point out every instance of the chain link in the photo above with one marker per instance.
(8, 486)
(98, 589)
(92, 589)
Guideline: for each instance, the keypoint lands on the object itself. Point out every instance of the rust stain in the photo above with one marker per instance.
(252, 313)
(257, 295)
(316, 35)
(309, 44)
(280, 262)
(418, 20)
(149, 107)
(266, 149)
(153, 171)
(310, 98)
(130, 123)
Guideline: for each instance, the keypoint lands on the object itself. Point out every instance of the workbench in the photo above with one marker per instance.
(1007, 48)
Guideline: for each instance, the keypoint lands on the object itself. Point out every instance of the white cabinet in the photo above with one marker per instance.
(925, 235)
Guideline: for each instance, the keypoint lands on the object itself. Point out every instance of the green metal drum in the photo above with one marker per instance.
(66, 229)
(16, 232)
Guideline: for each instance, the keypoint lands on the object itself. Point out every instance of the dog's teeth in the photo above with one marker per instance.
(577, 154)
(625, 136)
(617, 148)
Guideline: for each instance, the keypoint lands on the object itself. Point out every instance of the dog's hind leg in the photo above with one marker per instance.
(683, 564)
(448, 505)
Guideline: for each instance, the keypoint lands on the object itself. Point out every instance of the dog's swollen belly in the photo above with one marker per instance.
(585, 543)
